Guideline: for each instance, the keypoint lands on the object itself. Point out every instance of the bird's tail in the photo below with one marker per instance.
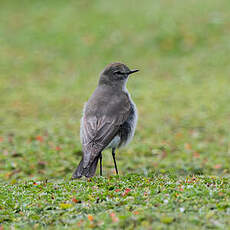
(89, 171)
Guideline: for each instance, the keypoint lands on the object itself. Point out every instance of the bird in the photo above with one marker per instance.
(109, 119)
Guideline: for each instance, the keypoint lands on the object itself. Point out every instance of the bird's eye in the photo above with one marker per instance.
(117, 72)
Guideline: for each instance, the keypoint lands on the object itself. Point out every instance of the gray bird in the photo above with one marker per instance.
(109, 119)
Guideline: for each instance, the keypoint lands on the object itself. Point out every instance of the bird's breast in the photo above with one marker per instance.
(126, 131)
(115, 142)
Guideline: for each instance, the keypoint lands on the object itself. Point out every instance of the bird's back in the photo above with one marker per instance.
(107, 102)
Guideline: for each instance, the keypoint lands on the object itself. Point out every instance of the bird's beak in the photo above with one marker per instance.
(133, 71)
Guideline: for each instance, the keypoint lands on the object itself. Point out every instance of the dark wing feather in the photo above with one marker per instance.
(100, 126)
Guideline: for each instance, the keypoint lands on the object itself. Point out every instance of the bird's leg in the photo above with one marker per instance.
(101, 165)
(114, 159)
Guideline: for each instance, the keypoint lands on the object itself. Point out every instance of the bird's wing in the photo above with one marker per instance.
(98, 131)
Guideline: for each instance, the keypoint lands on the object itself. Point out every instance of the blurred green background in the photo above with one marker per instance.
(51, 54)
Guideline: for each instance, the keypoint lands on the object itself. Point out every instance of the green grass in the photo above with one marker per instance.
(132, 201)
(175, 174)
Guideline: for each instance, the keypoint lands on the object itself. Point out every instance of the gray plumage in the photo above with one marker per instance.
(109, 119)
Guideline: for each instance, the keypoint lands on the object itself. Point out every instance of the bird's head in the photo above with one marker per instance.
(115, 74)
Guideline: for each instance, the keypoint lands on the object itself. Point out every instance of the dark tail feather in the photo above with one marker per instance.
(87, 172)
(78, 172)
(92, 169)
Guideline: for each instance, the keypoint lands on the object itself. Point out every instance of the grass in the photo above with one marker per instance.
(132, 201)
(175, 173)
